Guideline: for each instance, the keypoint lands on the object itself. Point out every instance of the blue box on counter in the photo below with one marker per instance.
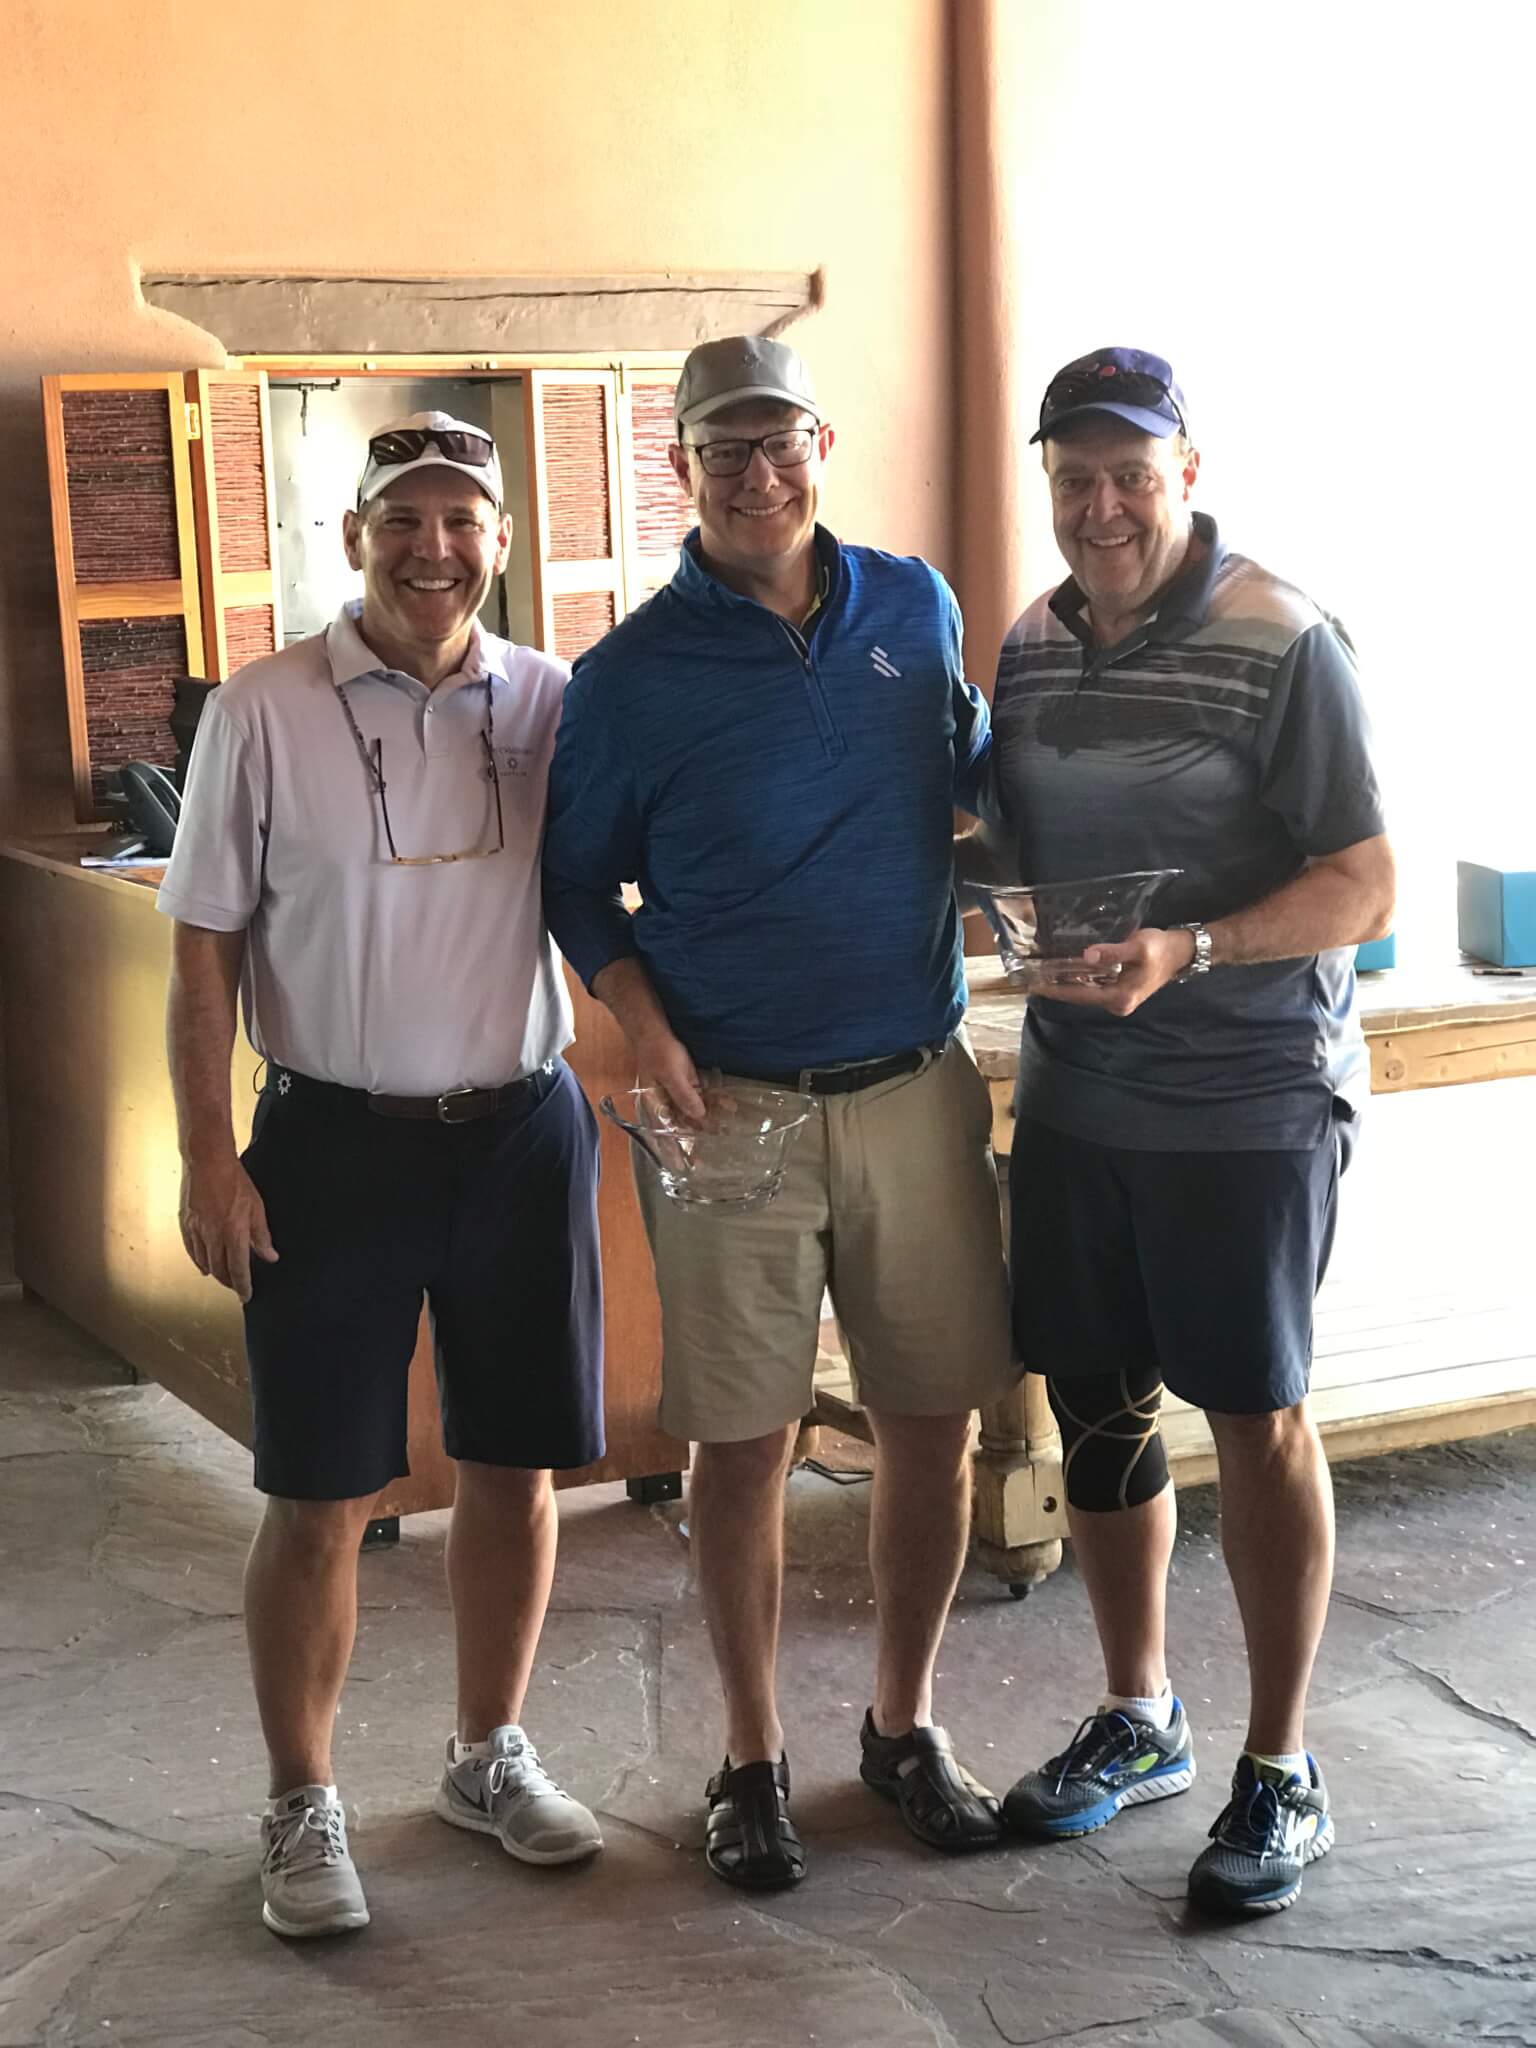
(1376, 953)
(1496, 914)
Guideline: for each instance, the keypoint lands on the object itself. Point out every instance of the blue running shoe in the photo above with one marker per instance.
(1264, 1838)
(1113, 1760)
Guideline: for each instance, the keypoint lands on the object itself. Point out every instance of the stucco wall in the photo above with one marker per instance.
(717, 138)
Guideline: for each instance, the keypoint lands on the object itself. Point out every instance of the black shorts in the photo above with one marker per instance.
(1199, 1266)
(494, 1221)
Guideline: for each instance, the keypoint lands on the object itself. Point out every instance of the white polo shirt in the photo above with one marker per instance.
(400, 980)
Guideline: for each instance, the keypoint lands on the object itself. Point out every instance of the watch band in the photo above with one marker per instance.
(1201, 964)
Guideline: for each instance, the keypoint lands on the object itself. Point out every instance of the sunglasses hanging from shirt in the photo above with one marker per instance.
(373, 761)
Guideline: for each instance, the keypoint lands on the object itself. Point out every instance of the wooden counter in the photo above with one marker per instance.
(1425, 1029)
(84, 961)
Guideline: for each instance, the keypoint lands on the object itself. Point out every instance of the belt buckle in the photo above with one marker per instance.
(444, 1113)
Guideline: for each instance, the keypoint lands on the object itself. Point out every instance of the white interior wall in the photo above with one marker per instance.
(1319, 214)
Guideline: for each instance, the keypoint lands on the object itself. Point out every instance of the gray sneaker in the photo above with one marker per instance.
(308, 1883)
(1263, 1839)
(509, 1794)
(1113, 1760)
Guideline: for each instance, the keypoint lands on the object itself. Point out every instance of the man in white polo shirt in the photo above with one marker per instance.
(358, 856)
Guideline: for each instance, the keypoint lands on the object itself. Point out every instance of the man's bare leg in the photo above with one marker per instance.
(1123, 1555)
(300, 1622)
(1277, 1536)
(736, 1530)
(500, 1562)
(919, 1523)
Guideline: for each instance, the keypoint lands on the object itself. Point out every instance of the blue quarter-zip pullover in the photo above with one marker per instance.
(784, 804)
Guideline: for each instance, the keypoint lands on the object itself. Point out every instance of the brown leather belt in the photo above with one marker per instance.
(453, 1106)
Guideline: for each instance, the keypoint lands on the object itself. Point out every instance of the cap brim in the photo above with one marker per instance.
(1134, 415)
(706, 408)
(381, 479)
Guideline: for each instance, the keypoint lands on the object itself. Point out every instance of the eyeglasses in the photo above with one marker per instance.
(786, 449)
(1107, 381)
(373, 761)
(454, 444)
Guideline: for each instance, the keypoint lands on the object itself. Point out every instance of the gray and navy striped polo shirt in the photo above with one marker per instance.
(1225, 736)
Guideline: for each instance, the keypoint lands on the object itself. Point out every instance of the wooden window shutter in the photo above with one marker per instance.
(574, 506)
(658, 512)
(121, 485)
(233, 504)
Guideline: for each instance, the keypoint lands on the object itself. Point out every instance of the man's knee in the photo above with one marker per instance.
(930, 1442)
(1261, 1439)
(507, 1489)
(317, 1529)
(752, 1464)
(1112, 1452)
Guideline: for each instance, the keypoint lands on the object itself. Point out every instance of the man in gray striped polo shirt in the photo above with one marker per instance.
(1186, 1111)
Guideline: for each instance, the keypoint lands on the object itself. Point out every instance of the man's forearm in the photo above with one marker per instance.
(979, 857)
(200, 1021)
(1339, 901)
(625, 989)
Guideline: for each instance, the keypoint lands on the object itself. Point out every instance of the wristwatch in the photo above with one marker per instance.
(1201, 964)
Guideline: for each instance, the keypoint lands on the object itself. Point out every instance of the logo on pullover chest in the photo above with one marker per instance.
(879, 659)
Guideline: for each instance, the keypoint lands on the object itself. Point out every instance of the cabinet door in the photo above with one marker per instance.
(574, 506)
(657, 512)
(120, 480)
(236, 518)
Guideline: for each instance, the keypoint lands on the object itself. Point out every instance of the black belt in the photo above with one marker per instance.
(453, 1106)
(852, 1074)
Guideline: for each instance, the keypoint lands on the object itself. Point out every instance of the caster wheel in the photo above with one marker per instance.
(1017, 1591)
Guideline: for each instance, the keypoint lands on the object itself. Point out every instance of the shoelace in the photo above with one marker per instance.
(1097, 1742)
(521, 1772)
(1250, 1820)
(288, 1836)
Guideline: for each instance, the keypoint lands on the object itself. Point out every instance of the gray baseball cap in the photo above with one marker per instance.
(741, 367)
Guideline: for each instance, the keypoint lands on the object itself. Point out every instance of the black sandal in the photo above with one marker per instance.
(751, 1840)
(940, 1801)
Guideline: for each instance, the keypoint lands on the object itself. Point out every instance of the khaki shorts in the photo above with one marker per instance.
(889, 1200)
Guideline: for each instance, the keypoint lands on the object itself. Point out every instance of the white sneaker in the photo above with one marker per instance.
(308, 1884)
(509, 1794)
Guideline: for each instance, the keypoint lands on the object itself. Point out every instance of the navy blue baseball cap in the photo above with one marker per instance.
(1127, 382)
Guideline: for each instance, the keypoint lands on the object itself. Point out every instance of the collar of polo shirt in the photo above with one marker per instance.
(352, 658)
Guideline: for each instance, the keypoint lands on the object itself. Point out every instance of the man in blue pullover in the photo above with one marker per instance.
(771, 748)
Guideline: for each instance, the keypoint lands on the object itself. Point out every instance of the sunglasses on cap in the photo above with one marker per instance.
(454, 444)
(1107, 382)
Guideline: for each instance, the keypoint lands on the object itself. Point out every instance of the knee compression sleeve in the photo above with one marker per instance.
(1112, 1452)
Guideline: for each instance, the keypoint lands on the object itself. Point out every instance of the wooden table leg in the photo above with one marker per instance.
(1018, 1517)
(1018, 1513)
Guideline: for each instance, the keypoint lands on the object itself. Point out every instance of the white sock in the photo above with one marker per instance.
(464, 1751)
(1293, 1764)
(281, 1798)
(1159, 1711)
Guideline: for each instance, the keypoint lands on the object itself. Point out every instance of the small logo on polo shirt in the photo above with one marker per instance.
(882, 661)
(513, 760)
(284, 1082)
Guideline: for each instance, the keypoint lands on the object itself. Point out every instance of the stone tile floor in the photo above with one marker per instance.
(130, 1782)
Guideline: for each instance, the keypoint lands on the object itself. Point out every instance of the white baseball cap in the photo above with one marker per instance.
(430, 440)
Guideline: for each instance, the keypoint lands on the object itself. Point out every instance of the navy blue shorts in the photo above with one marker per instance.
(494, 1221)
(1200, 1267)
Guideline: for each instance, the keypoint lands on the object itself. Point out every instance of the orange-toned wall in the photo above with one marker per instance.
(693, 135)
(720, 137)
